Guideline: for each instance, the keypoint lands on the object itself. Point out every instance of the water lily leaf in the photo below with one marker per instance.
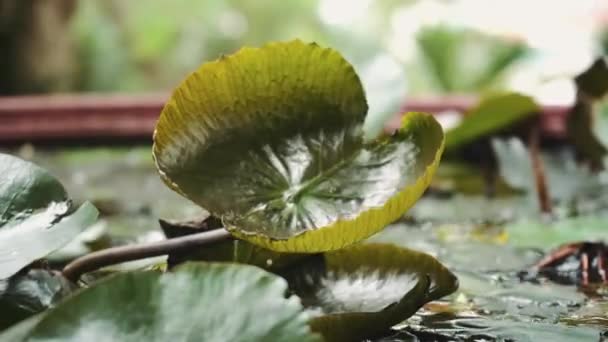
(566, 179)
(594, 81)
(587, 121)
(25, 188)
(271, 141)
(547, 235)
(35, 215)
(365, 289)
(28, 293)
(600, 128)
(582, 132)
(37, 237)
(198, 302)
(464, 178)
(493, 114)
(448, 53)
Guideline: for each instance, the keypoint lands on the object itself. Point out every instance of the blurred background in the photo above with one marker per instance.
(410, 47)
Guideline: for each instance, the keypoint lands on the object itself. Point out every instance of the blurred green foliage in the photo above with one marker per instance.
(128, 45)
(463, 60)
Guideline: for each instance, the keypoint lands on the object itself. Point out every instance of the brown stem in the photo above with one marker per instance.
(116, 255)
(538, 170)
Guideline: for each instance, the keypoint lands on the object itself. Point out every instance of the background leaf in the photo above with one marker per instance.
(594, 81)
(586, 124)
(493, 114)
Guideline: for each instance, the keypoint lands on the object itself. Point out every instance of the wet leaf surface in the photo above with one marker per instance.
(36, 217)
(33, 238)
(176, 306)
(24, 189)
(281, 158)
(491, 302)
(365, 289)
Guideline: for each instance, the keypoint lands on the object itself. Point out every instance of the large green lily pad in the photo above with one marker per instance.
(365, 289)
(35, 215)
(270, 139)
(492, 114)
(198, 302)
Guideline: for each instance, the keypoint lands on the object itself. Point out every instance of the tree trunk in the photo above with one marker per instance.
(36, 50)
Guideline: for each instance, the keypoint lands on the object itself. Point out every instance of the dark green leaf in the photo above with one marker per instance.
(493, 114)
(587, 121)
(280, 157)
(35, 215)
(19, 332)
(594, 81)
(25, 188)
(600, 128)
(28, 293)
(580, 133)
(198, 302)
(365, 289)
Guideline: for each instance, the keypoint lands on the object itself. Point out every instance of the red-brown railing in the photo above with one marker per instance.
(106, 117)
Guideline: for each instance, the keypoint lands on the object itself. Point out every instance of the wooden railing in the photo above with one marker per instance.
(93, 117)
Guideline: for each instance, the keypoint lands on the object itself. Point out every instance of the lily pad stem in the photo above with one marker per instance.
(538, 170)
(116, 255)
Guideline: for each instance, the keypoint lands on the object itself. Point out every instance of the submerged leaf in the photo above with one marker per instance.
(493, 114)
(365, 289)
(198, 302)
(271, 141)
(35, 218)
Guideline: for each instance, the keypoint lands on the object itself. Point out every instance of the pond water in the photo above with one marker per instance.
(485, 242)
